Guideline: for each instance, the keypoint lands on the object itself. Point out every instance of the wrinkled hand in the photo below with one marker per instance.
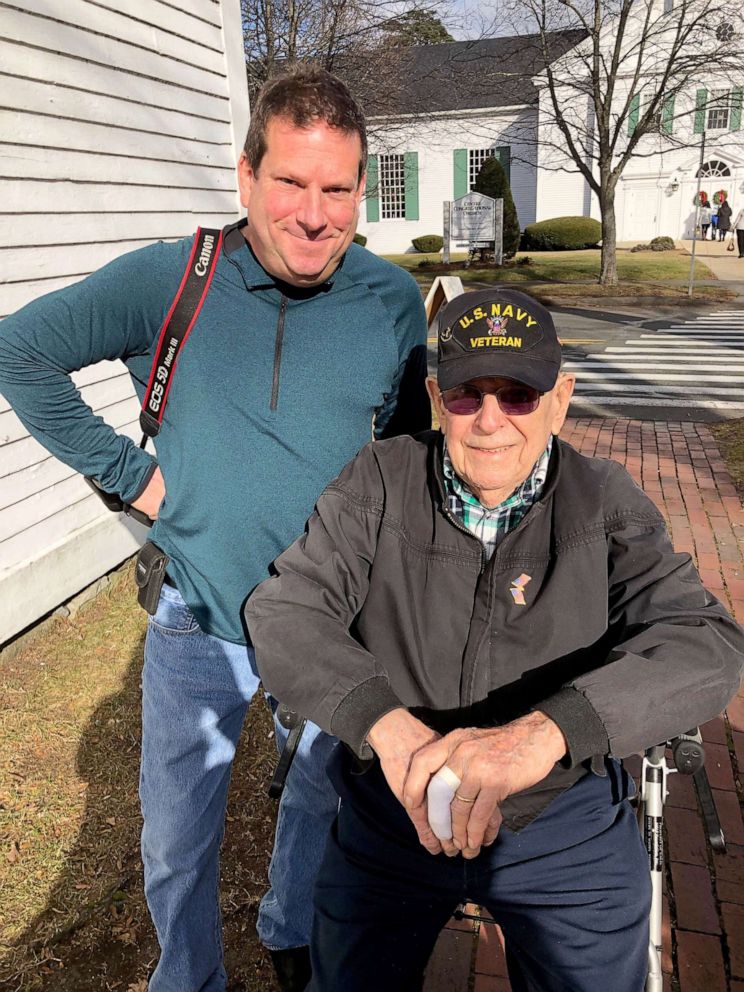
(396, 738)
(491, 763)
(150, 499)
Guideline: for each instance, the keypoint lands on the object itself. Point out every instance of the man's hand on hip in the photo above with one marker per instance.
(152, 496)
(396, 738)
(491, 763)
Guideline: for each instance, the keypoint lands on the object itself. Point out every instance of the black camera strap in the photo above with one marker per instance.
(177, 326)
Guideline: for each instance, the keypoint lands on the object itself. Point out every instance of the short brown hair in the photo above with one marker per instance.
(304, 95)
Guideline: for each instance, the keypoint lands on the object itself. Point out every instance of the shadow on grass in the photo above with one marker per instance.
(95, 932)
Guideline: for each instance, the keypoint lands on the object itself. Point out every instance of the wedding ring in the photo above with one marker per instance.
(463, 799)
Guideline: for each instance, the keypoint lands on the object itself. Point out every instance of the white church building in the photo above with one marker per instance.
(466, 100)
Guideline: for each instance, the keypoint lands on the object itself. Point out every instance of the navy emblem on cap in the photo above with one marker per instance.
(496, 324)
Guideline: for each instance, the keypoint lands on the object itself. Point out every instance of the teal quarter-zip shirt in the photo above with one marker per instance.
(275, 389)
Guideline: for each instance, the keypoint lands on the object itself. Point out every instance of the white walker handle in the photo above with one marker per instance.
(439, 794)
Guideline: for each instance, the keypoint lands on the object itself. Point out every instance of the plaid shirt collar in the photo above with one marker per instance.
(491, 525)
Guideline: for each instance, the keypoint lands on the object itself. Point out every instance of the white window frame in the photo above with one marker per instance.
(718, 111)
(391, 181)
(715, 168)
(476, 158)
(655, 124)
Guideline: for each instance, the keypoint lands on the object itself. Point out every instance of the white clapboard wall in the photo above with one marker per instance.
(120, 124)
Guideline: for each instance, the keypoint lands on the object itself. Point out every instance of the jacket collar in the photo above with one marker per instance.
(436, 471)
(240, 254)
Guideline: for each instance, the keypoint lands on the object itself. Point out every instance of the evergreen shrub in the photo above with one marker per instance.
(492, 182)
(562, 234)
(662, 244)
(428, 243)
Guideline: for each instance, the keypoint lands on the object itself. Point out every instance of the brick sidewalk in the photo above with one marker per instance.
(681, 469)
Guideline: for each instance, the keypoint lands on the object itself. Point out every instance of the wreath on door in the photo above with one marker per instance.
(700, 199)
(720, 196)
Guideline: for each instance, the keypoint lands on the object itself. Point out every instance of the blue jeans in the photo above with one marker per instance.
(195, 692)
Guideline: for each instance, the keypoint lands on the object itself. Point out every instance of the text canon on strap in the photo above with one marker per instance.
(180, 319)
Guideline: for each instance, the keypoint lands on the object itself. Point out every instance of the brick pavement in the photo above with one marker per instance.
(681, 469)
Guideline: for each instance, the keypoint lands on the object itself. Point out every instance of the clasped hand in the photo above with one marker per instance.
(491, 763)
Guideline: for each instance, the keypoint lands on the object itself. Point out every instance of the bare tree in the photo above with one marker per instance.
(358, 38)
(616, 95)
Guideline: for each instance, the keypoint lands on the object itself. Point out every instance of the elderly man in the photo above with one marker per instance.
(306, 345)
(491, 602)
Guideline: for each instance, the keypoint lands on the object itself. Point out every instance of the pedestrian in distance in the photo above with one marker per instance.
(738, 227)
(724, 218)
(306, 345)
(490, 621)
(705, 213)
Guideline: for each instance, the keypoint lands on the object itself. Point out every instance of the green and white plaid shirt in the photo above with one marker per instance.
(489, 526)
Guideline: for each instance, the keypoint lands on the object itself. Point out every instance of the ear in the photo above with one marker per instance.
(246, 179)
(563, 392)
(433, 390)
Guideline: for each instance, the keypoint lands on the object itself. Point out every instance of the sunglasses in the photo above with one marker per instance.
(514, 400)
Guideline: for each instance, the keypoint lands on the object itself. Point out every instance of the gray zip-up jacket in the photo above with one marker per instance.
(387, 600)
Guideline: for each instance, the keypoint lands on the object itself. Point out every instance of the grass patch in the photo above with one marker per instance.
(729, 436)
(72, 912)
(640, 273)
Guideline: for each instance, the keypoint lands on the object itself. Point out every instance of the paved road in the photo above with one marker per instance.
(689, 369)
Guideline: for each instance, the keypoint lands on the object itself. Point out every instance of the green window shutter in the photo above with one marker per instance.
(701, 98)
(633, 114)
(503, 154)
(373, 192)
(736, 95)
(460, 160)
(410, 167)
(667, 114)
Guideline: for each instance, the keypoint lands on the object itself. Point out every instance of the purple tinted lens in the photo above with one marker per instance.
(515, 401)
(518, 400)
(462, 400)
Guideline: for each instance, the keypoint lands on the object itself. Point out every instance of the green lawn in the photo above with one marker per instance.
(567, 267)
(72, 911)
(730, 438)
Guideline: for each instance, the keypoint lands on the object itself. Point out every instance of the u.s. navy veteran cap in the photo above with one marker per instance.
(497, 332)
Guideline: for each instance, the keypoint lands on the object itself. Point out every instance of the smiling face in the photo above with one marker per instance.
(303, 200)
(494, 453)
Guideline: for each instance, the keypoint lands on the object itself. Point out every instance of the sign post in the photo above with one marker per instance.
(447, 206)
(498, 233)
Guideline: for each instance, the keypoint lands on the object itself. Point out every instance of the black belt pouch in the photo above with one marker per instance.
(149, 574)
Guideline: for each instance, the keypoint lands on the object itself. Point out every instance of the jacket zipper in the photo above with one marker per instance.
(278, 353)
(460, 526)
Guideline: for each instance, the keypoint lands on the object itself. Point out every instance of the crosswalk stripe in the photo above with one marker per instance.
(714, 354)
(603, 400)
(656, 356)
(655, 387)
(640, 364)
(665, 377)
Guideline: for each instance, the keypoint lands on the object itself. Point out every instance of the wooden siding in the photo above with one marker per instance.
(120, 125)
